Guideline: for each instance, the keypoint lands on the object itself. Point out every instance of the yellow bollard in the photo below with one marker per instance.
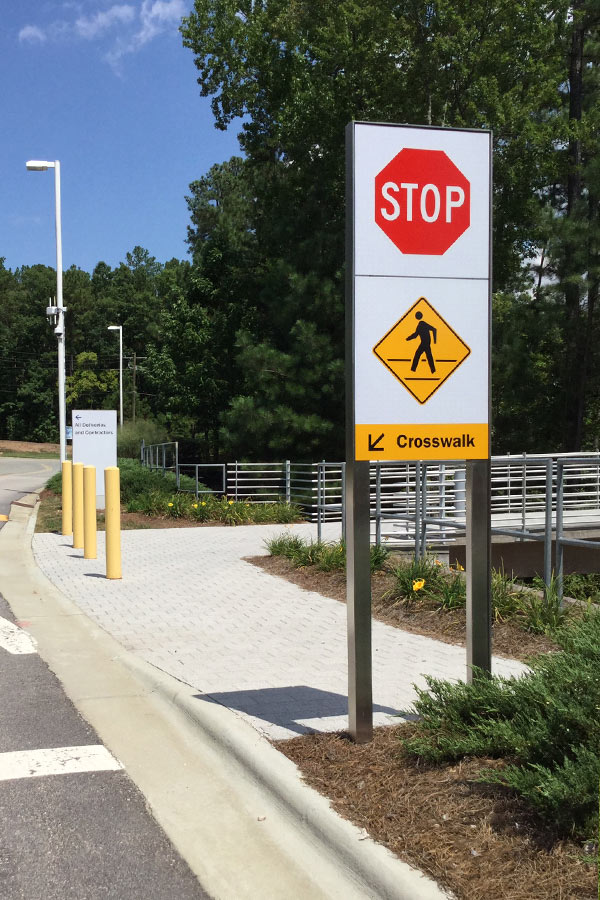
(77, 506)
(112, 517)
(67, 497)
(89, 512)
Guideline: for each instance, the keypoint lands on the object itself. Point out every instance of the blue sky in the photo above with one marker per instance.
(109, 90)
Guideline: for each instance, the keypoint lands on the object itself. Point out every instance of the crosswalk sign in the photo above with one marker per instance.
(421, 350)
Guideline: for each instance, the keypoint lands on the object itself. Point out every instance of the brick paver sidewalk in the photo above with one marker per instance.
(191, 605)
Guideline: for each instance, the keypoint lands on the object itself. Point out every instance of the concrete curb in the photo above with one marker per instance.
(379, 873)
(383, 874)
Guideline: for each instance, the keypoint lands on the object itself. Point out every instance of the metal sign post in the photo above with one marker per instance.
(418, 280)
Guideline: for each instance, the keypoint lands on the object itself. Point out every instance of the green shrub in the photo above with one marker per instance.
(451, 592)
(54, 484)
(208, 508)
(543, 610)
(325, 556)
(582, 587)
(407, 573)
(507, 600)
(545, 724)
(130, 435)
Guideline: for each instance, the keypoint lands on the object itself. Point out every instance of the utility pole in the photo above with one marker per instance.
(133, 397)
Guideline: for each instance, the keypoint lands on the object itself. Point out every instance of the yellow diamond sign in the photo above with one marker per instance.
(421, 350)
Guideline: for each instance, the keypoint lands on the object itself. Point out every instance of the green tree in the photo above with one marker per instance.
(88, 388)
(295, 74)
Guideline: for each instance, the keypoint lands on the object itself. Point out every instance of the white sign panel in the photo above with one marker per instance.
(95, 443)
(420, 292)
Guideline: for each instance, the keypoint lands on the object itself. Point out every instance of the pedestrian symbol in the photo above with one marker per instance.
(424, 367)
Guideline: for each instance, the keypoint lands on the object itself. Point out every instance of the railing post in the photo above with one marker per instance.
(442, 484)
(236, 481)
(196, 467)
(559, 528)
(478, 565)
(524, 498)
(319, 489)
(288, 481)
(424, 511)
(344, 501)
(548, 529)
(142, 452)
(177, 478)
(418, 510)
(378, 504)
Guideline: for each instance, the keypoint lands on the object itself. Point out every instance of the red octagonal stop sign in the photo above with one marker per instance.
(422, 201)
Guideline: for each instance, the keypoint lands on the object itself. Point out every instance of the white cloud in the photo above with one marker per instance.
(94, 27)
(156, 17)
(131, 26)
(33, 34)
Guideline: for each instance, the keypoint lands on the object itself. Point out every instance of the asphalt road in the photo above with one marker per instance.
(22, 476)
(72, 834)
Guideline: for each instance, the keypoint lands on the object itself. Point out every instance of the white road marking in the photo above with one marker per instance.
(14, 639)
(57, 761)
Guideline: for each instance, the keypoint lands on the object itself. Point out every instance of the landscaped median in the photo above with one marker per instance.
(493, 789)
(153, 500)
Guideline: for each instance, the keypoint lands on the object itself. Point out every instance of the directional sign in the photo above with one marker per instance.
(421, 350)
(95, 443)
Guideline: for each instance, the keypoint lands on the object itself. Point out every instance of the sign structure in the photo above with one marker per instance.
(419, 289)
(95, 443)
(418, 269)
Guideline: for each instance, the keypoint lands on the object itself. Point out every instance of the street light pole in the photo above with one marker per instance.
(119, 328)
(36, 165)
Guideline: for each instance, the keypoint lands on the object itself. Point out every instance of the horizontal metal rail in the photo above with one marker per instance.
(417, 503)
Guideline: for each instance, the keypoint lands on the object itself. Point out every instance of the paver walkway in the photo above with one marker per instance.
(189, 604)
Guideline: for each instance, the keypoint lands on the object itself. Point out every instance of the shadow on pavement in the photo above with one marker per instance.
(288, 706)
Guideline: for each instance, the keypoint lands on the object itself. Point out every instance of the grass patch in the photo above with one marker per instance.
(49, 517)
(544, 726)
(29, 454)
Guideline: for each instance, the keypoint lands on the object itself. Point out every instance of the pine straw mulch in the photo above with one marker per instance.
(475, 840)
(420, 617)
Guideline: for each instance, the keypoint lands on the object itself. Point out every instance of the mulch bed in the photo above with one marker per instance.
(444, 625)
(480, 842)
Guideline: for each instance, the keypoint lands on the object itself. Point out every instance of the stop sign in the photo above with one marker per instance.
(422, 201)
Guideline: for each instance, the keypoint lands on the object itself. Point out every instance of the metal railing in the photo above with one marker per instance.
(161, 457)
(533, 498)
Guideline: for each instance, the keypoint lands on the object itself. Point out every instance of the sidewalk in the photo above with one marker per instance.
(190, 605)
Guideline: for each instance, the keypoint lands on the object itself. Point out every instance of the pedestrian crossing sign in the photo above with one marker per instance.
(421, 350)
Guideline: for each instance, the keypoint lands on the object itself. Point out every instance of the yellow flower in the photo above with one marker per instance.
(231, 502)
(459, 568)
(418, 583)
(195, 505)
(169, 504)
(203, 503)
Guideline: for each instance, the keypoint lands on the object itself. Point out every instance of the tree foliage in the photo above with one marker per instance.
(241, 348)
